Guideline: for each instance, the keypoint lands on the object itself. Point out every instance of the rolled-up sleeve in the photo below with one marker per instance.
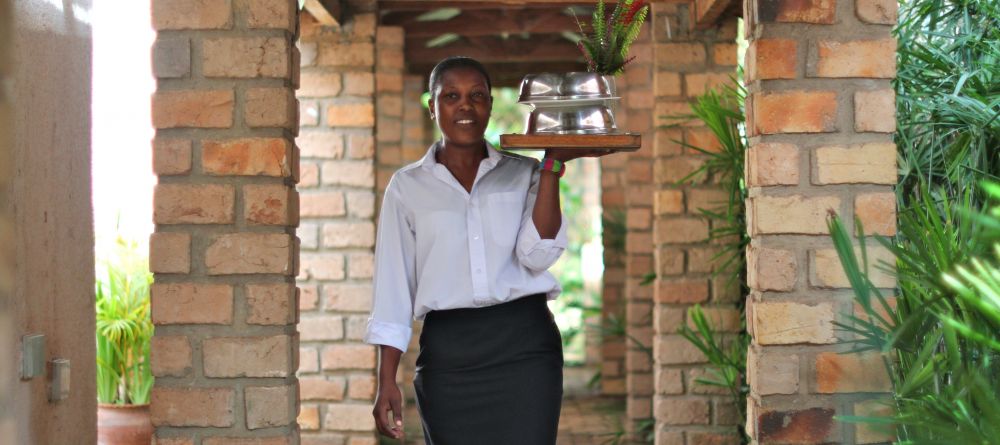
(394, 281)
(532, 251)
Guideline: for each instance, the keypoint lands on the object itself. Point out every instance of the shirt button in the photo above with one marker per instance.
(475, 237)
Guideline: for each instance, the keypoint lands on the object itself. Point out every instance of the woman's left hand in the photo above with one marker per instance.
(569, 155)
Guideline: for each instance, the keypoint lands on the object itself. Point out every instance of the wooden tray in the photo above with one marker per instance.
(615, 142)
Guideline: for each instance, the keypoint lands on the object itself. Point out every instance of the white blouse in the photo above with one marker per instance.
(439, 247)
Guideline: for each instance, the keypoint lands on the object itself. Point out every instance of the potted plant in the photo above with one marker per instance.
(124, 330)
(606, 47)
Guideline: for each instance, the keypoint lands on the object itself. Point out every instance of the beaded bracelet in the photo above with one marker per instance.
(554, 166)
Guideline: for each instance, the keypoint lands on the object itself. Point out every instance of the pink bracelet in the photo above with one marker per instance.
(554, 166)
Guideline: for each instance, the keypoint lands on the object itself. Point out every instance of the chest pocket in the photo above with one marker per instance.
(505, 217)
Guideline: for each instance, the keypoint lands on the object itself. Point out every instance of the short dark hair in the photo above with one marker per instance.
(456, 62)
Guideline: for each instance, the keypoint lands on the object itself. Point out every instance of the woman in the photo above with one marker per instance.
(465, 238)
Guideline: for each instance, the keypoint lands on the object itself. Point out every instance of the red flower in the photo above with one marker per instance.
(632, 11)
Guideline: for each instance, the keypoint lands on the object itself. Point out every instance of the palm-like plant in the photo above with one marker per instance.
(124, 330)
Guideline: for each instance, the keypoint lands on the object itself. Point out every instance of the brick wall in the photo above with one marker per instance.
(820, 118)
(613, 181)
(635, 111)
(688, 62)
(337, 143)
(7, 346)
(224, 251)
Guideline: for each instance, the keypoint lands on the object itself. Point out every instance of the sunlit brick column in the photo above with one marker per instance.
(820, 118)
(337, 144)
(388, 105)
(224, 251)
(635, 112)
(688, 63)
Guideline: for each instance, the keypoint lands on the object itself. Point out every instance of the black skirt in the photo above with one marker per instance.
(490, 375)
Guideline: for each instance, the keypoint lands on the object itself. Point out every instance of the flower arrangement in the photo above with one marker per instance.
(606, 48)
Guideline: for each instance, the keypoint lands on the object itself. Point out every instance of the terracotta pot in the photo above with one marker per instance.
(123, 425)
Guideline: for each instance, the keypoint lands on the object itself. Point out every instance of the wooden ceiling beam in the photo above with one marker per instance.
(708, 12)
(429, 5)
(499, 50)
(500, 24)
(326, 12)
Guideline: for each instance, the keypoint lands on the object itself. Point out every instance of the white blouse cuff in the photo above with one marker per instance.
(389, 334)
(538, 253)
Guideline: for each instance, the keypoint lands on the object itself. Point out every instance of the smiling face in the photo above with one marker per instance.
(461, 105)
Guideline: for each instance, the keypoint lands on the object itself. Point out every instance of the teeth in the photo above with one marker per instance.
(467, 121)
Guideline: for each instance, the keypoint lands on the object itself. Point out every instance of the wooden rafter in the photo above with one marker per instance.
(495, 49)
(326, 12)
(708, 12)
(466, 5)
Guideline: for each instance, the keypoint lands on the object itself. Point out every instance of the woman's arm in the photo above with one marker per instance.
(389, 397)
(547, 214)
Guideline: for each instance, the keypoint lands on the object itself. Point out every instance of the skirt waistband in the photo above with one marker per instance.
(498, 310)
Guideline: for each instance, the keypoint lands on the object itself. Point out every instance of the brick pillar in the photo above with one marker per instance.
(337, 142)
(820, 117)
(613, 181)
(224, 250)
(416, 138)
(388, 104)
(688, 63)
(635, 112)
(7, 345)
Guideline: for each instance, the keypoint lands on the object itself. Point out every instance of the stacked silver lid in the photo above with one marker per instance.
(569, 103)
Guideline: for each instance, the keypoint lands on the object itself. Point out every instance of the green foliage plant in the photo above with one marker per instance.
(940, 338)
(124, 328)
(606, 47)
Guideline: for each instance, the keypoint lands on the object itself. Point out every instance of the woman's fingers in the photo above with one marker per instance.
(397, 413)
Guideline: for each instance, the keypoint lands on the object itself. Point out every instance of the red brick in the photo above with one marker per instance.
(191, 407)
(858, 58)
(271, 440)
(351, 115)
(319, 84)
(875, 111)
(322, 388)
(360, 265)
(170, 355)
(666, 143)
(191, 14)
(724, 54)
(247, 157)
(270, 406)
(672, 170)
(678, 55)
(829, 273)
(872, 163)
(638, 242)
(793, 214)
(698, 84)
(270, 107)
(771, 269)
(250, 253)
(349, 417)
(881, 12)
(309, 175)
(360, 146)
(797, 11)
(348, 356)
(772, 59)
(321, 328)
(677, 411)
(308, 297)
(308, 360)
(870, 433)
(389, 36)
(688, 290)
(805, 426)
(389, 82)
(171, 156)
(673, 113)
(669, 381)
(170, 252)
(359, 83)
(772, 371)
(702, 139)
(270, 204)
(877, 212)
(362, 387)
(193, 109)
(309, 417)
(321, 144)
(785, 323)
(794, 112)
(349, 172)
(190, 303)
(325, 204)
(681, 231)
(706, 199)
(328, 266)
(248, 356)
(308, 113)
(668, 202)
(721, 318)
(347, 297)
(271, 14)
(667, 84)
(389, 59)
(271, 304)
(246, 57)
(772, 163)
(851, 372)
(356, 55)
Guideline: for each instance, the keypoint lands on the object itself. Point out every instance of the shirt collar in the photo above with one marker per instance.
(428, 162)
